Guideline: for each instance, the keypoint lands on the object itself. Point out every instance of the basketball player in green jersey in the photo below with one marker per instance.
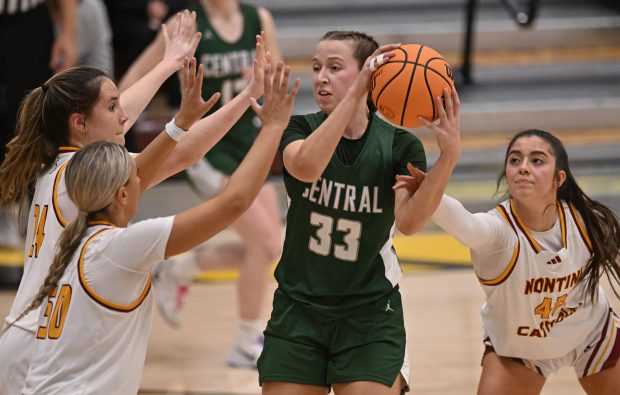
(226, 51)
(337, 318)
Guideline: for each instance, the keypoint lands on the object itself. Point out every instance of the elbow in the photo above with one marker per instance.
(308, 178)
(407, 226)
(182, 158)
(237, 202)
(305, 173)
(184, 162)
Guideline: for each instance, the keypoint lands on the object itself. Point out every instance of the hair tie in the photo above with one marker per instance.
(84, 213)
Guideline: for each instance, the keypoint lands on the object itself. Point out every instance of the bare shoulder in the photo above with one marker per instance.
(264, 15)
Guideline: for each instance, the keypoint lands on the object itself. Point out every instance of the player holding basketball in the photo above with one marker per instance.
(337, 317)
(96, 316)
(539, 256)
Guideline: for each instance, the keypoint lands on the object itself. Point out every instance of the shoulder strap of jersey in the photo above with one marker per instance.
(515, 255)
(251, 19)
(521, 226)
(55, 203)
(580, 227)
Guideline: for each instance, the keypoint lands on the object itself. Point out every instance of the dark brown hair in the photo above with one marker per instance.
(43, 127)
(601, 222)
(363, 46)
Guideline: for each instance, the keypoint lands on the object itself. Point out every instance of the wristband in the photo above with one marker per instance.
(174, 131)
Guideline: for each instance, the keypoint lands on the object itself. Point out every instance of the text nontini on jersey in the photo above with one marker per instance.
(344, 197)
(552, 284)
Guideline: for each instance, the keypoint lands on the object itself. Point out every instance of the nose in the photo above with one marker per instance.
(322, 75)
(123, 116)
(524, 167)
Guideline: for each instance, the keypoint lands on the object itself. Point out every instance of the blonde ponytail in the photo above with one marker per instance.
(93, 176)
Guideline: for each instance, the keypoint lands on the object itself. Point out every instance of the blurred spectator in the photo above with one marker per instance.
(30, 53)
(94, 36)
(135, 23)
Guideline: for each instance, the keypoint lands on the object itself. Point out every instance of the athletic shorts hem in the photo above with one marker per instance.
(366, 377)
(287, 379)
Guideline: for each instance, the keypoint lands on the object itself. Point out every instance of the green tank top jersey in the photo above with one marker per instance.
(338, 253)
(223, 64)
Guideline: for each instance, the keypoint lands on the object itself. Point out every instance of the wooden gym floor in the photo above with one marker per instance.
(442, 300)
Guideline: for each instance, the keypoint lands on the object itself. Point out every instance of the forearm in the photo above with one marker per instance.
(413, 212)
(189, 228)
(67, 12)
(149, 161)
(147, 60)
(135, 98)
(472, 230)
(312, 156)
(202, 136)
(251, 174)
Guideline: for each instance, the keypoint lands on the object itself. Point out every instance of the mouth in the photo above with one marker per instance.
(323, 93)
(523, 181)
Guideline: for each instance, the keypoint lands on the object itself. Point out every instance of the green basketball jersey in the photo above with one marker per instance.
(223, 64)
(338, 253)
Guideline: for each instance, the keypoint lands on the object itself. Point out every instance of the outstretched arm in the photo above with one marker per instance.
(198, 224)
(192, 108)
(412, 212)
(472, 230)
(205, 133)
(180, 42)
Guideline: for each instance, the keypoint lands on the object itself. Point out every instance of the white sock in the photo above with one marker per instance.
(249, 328)
(183, 268)
(205, 178)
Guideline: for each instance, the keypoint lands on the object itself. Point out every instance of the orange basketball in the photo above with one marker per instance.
(405, 87)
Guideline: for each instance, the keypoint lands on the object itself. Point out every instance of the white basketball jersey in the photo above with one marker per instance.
(50, 211)
(537, 308)
(93, 329)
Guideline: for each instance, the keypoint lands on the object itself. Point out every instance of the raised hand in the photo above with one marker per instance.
(278, 101)
(384, 53)
(256, 84)
(180, 37)
(410, 183)
(448, 130)
(193, 107)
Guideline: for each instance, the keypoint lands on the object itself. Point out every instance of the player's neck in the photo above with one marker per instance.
(221, 9)
(537, 216)
(357, 126)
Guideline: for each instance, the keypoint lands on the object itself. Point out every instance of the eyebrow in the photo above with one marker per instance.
(531, 153)
(331, 57)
